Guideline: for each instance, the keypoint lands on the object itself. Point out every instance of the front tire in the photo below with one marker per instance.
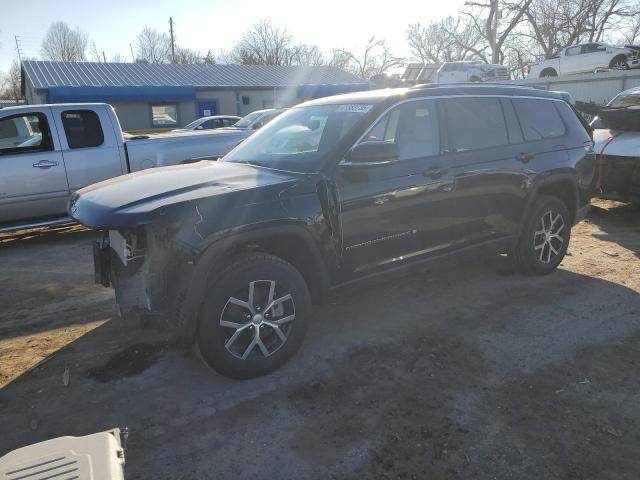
(545, 236)
(255, 317)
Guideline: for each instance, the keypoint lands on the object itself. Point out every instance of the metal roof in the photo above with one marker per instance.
(43, 74)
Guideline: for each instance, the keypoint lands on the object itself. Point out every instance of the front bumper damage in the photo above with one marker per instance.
(139, 265)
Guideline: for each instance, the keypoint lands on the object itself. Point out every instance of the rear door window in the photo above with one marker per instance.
(475, 123)
(539, 119)
(82, 128)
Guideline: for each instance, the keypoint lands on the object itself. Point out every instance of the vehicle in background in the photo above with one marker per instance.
(209, 123)
(257, 119)
(470, 71)
(617, 144)
(448, 72)
(586, 58)
(49, 151)
(99, 456)
(233, 253)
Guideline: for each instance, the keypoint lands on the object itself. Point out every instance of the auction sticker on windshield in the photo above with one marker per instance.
(354, 108)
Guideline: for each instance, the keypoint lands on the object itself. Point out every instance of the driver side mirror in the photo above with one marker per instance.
(373, 152)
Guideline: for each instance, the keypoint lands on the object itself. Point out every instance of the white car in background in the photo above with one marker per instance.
(209, 123)
(587, 58)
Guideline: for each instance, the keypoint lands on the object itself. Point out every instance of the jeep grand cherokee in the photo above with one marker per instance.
(234, 253)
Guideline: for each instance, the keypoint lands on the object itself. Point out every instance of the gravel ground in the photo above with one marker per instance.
(463, 370)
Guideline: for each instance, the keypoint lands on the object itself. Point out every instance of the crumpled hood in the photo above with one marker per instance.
(143, 197)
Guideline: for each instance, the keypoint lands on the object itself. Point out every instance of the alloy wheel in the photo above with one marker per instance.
(259, 325)
(547, 239)
(620, 65)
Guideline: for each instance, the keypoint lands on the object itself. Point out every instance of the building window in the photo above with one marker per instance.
(245, 99)
(164, 115)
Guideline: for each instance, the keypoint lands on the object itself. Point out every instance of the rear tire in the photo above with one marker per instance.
(255, 317)
(544, 238)
(548, 72)
(619, 63)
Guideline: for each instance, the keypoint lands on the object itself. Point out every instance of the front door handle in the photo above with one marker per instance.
(45, 164)
(435, 172)
(524, 157)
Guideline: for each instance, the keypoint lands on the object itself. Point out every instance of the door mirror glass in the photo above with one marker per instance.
(374, 152)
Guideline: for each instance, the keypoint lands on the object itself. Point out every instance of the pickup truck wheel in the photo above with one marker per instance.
(619, 63)
(545, 237)
(255, 318)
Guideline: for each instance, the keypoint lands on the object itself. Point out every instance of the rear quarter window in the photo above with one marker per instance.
(539, 119)
(82, 128)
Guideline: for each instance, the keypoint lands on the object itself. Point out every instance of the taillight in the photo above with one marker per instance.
(527, 69)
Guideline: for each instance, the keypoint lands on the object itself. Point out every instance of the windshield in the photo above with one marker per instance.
(245, 122)
(193, 124)
(298, 139)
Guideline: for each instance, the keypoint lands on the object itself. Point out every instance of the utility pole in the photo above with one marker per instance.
(133, 57)
(18, 48)
(173, 43)
(104, 57)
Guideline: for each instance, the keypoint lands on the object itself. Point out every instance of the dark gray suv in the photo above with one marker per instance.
(233, 253)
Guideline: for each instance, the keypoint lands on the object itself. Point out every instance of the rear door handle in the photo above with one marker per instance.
(435, 172)
(45, 164)
(524, 157)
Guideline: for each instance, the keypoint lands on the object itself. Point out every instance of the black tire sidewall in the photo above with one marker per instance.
(527, 259)
(210, 336)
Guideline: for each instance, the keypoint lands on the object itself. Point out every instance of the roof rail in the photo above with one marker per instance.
(470, 84)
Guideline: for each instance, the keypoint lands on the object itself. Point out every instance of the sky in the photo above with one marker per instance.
(215, 24)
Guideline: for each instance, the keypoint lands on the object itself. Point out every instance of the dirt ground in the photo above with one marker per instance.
(463, 370)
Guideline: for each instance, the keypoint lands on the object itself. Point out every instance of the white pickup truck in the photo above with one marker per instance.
(587, 58)
(49, 151)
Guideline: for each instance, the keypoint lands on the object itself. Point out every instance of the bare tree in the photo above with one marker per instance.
(209, 59)
(263, 44)
(447, 40)
(94, 53)
(631, 33)
(605, 15)
(11, 84)
(118, 58)
(494, 21)
(303, 54)
(376, 58)
(62, 43)
(153, 46)
(187, 55)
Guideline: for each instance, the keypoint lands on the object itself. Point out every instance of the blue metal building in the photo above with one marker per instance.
(148, 96)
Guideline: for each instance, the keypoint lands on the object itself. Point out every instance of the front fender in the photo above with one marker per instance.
(197, 274)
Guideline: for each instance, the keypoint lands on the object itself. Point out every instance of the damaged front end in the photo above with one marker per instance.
(141, 265)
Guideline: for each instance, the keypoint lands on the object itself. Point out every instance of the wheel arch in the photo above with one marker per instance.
(292, 243)
(562, 186)
(620, 56)
(548, 72)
